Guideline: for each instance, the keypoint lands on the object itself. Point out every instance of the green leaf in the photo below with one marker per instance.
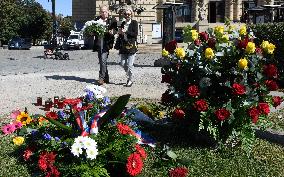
(60, 125)
(171, 154)
(115, 110)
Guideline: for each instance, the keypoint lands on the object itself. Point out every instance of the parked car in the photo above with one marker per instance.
(75, 41)
(19, 43)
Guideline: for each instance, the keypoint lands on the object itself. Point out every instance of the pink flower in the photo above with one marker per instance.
(18, 125)
(14, 114)
(8, 129)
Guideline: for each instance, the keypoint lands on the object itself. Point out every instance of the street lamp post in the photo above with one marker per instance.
(54, 25)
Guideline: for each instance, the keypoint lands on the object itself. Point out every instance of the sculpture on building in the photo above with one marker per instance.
(202, 15)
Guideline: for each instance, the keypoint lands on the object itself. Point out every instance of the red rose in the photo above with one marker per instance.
(263, 108)
(254, 113)
(134, 164)
(211, 43)
(271, 85)
(238, 89)
(277, 100)
(171, 46)
(197, 42)
(178, 172)
(166, 78)
(178, 113)
(242, 44)
(204, 36)
(193, 91)
(140, 151)
(222, 114)
(201, 105)
(270, 71)
(124, 129)
(258, 51)
(51, 115)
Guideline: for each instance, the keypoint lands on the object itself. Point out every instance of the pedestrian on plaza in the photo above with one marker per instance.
(104, 44)
(128, 44)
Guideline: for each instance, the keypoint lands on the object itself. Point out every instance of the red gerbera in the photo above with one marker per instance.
(222, 114)
(124, 129)
(178, 172)
(51, 115)
(134, 164)
(141, 151)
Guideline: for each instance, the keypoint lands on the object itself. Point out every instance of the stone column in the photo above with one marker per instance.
(237, 10)
(203, 6)
(194, 12)
(229, 9)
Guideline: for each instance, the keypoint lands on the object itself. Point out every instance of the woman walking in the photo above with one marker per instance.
(128, 44)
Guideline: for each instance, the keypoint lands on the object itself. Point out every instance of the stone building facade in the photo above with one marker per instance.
(209, 11)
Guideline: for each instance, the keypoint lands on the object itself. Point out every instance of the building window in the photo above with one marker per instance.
(183, 13)
(216, 11)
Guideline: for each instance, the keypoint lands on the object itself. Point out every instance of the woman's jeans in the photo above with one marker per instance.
(127, 61)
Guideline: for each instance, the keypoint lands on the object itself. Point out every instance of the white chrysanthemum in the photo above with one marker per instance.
(79, 140)
(92, 153)
(76, 149)
(89, 143)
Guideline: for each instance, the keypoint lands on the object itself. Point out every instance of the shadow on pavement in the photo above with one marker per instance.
(271, 137)
(135, 65)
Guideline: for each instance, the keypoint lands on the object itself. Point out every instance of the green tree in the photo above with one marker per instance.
(37, 22)
(65, 27)
(11, 14)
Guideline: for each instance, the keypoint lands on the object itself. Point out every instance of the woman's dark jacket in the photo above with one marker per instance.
(129, 46)
(108, 38)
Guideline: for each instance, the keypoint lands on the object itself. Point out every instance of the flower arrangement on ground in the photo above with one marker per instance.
(94, 27)
(221, 83)
(89, 137)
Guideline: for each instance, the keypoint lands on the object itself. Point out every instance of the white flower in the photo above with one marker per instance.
(89, 143)
(76, 149)
(92, 153)
(79, 140)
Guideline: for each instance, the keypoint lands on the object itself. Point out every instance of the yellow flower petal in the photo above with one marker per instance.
(18, 140)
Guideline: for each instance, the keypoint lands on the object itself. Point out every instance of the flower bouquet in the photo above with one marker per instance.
(221, 83)
(94, 27)
(89, 137)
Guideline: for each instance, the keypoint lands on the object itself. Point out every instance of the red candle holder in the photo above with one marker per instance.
(50, 102)
(60, 104)
(47, 105)
(39, 101)
(56, 99)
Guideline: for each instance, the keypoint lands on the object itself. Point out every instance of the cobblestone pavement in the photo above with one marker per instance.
(24, 75)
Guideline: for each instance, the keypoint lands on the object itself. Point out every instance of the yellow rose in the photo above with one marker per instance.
(225, 38)
(165, 53)
(18, 140)
(243, 30)
(250, 48)
(219, 29)
(209, 53)
(180, 52)
(270, 48)
(194, 34)
(264, 45)
(243, 63)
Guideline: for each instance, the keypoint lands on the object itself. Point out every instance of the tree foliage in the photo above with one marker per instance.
(65, 27)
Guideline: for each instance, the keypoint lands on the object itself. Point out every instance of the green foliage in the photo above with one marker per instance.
(65, 26)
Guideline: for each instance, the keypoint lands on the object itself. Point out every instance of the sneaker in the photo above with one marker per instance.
(129, 83)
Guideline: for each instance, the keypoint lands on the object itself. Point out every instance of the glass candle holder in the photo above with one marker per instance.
(56, 99)
(47, 105)
(39, 101)
(60, 104)
(50, 102)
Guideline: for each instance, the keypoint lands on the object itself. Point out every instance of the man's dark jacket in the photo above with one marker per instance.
(108, 39)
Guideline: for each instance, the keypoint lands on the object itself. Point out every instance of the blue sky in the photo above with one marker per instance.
(61, 6)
